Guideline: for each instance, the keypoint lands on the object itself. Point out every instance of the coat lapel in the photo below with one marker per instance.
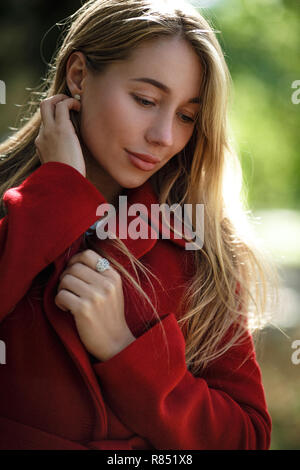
(64, 325)
(63, 322)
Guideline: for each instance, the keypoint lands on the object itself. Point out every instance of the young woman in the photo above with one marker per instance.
(128, 342)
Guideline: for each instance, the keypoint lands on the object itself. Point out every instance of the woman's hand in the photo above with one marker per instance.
(96, 300)
(57, 140)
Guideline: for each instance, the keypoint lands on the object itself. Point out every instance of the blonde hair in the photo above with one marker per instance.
(231, 279)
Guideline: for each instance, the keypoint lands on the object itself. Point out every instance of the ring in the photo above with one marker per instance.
(102, 264)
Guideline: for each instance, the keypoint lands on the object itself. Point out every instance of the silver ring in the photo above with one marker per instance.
(102, 264)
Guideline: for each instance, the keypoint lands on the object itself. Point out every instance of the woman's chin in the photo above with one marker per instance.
(131, 182)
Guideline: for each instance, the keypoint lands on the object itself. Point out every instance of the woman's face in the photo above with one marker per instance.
(123, 112)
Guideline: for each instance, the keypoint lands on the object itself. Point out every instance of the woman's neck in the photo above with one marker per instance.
(105, 184)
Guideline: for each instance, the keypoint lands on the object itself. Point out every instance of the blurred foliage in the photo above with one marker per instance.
(261, 42)
(281, 380)
(262, 47)
(28, 36)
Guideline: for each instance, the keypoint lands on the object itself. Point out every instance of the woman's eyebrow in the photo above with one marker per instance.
(162, 87)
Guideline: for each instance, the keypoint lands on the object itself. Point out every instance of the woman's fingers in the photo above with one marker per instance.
(62, 110)
(75, 285)
(66, 301)
(88, 257)
(97, 306)
(47, 108)
(57, 140)
(81, 271)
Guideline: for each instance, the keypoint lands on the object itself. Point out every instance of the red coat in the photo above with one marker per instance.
(54, 395)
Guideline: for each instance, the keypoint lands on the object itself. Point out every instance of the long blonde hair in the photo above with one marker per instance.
(228, 290)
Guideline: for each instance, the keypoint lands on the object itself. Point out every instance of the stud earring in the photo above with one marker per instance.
(77, 97)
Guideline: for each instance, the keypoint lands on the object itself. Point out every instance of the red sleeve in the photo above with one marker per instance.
(45, 215)
(159, 399)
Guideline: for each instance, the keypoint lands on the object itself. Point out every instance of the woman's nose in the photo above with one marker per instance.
(161, 132)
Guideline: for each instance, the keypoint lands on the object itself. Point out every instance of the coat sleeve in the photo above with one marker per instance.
(45, 215)
(151, 390)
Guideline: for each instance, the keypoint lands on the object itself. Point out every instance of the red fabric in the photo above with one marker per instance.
(53, 395)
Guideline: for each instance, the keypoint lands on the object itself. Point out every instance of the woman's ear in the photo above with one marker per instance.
(76, 73)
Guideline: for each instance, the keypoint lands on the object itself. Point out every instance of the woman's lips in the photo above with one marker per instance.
(139, 163)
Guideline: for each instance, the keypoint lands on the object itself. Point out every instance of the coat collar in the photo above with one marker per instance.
(144, 218)
(146, 195)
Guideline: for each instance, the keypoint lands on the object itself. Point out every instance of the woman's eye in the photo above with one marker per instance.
(147, 103)
(143, 101)
(187, 119)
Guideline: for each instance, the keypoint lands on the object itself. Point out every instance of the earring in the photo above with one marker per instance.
(77, 97)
